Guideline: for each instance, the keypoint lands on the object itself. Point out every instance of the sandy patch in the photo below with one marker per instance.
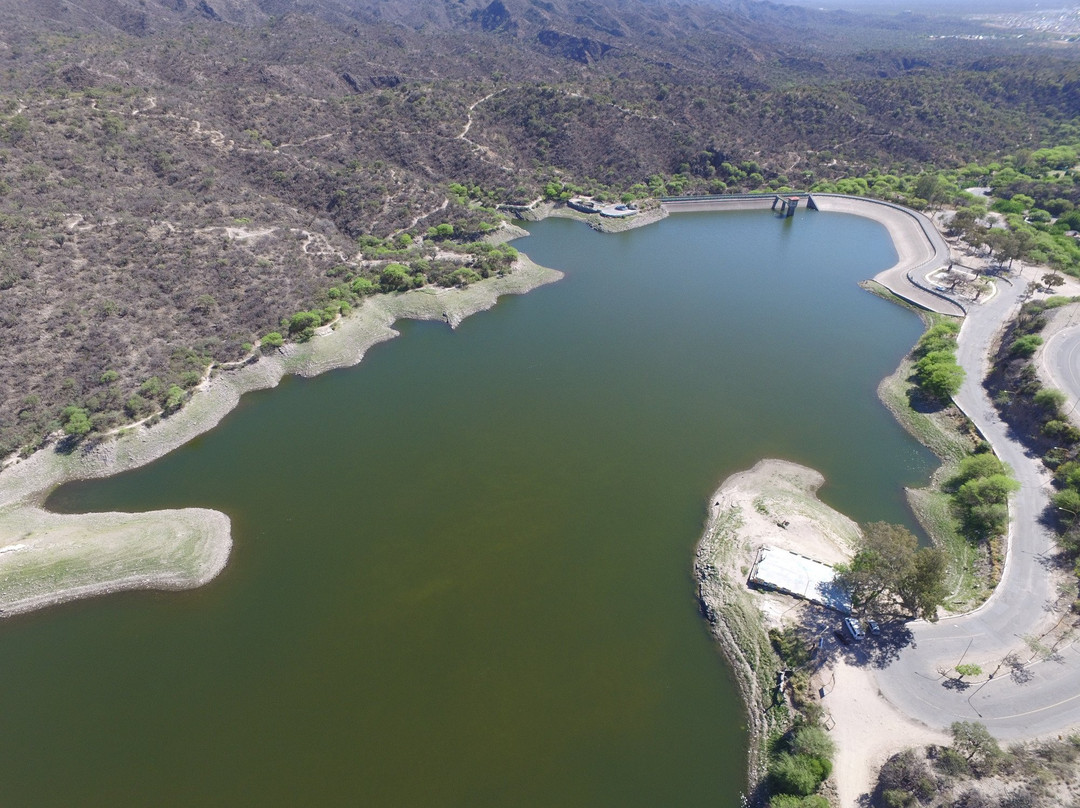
(867, 730)
(777, 491)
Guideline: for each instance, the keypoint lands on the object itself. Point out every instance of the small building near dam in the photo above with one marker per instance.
(799, 576)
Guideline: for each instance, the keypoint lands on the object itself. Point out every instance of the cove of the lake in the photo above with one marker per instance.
(461, 572)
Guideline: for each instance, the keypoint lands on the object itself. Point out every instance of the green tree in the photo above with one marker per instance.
(76, 421)
(983, 464)
(302, 325)
(968, 669)
(363, 287)
(986, 490)
(888, 561)
(395, 278)
(922, 589)
(974, 741)
(927, 187)
(272, 341)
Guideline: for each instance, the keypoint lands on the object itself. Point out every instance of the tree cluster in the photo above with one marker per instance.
(799, 765)
(974, 771)
(980, 492)
(1038, 414)
(936, 370)
(890, 570)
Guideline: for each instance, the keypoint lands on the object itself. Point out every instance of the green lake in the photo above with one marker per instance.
(462, 569)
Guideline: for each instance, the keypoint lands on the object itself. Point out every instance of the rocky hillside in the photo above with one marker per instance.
(176, 177)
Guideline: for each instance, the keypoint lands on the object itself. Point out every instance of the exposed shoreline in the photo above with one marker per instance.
(742, 516)
(48, 558)
(24, 485)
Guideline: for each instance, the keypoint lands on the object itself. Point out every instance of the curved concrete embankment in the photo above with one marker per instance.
(919, 247)
(47, 558)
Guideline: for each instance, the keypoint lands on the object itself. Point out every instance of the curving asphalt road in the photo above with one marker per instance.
(1060, 360)
(1027, 689)
(1024, 691)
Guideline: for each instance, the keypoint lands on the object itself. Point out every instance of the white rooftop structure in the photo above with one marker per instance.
(801, 576)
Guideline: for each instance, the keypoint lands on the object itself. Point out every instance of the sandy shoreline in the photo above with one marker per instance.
(745, 514)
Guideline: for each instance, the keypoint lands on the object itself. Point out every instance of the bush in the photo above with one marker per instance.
(462, 277)
(272, 341)
(137, 406)
(897, 798)
(1026, 345)
(1050, 399)
(1061, 430)
(813, 742)
(952, 763)
(793, 801)
(797, 774)
(152, 388)
(790, 647)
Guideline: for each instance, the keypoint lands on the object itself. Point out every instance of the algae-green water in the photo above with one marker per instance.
(462, 569)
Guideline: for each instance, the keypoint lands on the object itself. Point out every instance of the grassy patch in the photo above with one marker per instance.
(967, 580)
(939, 429)
(948, 434)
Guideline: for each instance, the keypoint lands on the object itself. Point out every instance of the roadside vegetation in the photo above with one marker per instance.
(936, 370)
(975, 772)
(966, 525)
(1037, 414)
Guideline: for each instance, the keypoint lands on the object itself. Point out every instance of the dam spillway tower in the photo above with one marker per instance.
(787, 204)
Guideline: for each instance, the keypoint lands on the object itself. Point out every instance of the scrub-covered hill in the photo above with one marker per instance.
(177, 177)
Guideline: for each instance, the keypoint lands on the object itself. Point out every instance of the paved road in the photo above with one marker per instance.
(1060, 360)
(1043, 697)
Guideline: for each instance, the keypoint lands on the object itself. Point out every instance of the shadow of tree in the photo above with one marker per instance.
(68, 444)
(920, 401)
(834, 643)
(958, 685)
(1018, 670)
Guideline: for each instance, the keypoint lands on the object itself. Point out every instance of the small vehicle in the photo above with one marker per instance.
(854, 630)
(874, 628)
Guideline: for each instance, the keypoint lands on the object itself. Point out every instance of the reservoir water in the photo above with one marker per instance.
(462, 569)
